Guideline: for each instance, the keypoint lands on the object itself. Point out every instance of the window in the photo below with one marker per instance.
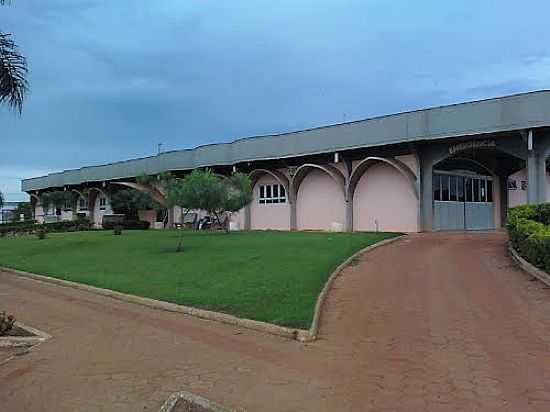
(102, 203)
(83, 204)
(436, 185)
(271, 194)
(67, 206)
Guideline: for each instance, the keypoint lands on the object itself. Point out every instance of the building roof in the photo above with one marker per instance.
(515, 112)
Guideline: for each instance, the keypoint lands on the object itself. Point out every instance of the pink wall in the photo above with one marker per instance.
(384, 200)
(268, 216)
(148, 216)
(320, 202)
(519, 197)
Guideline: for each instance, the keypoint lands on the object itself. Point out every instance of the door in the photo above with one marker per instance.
(462, 202)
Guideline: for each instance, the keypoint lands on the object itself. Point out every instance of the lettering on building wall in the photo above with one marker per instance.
(472, 144)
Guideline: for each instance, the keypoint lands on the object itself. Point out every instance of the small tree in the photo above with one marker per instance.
(58, 199)
(1, 200)
(130, 201)
(203, 190)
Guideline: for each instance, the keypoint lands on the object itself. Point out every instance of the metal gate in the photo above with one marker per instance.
(463, 202)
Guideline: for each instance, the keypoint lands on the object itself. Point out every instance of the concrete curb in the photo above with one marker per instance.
(528, 267)
(23, 341)
(167, 306)
(313, 332)
(290, 333)
(204, 403)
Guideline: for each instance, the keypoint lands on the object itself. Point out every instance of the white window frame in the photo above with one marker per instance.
(263, 197)
(82, 204)
(102, 203)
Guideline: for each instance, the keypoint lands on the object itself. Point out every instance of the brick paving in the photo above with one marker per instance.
(435, 322)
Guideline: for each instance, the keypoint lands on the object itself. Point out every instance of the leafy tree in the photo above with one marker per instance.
(57, 198)
(130, 201)
(23, 208)
(203, 190)
(13, 72)
(1, 200)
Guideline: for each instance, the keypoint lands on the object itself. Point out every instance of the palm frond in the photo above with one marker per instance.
(13, 72)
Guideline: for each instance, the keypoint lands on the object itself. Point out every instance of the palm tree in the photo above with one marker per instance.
(13, 72)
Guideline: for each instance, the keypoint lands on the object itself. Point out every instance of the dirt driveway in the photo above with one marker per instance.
(436, 322)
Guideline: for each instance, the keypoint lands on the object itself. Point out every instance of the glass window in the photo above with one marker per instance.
(482, 190)
(102, 203)
(83, 204)
(452, 189)
(272, 194)
(469, 190)
(460, 189)
(476, 197)
(444, 187)
(436, 186)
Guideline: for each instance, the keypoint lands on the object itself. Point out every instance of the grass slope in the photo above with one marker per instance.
(268, 276)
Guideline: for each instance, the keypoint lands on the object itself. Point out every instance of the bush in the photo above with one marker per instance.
(22, 228)
(118, 230)
(41, 233)
(6, 323)
(128, 225)
(529, 233)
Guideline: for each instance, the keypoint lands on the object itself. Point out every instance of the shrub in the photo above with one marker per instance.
(41, 233)
(128, 225)
(118, 230)
(6, 323)
(529, 234)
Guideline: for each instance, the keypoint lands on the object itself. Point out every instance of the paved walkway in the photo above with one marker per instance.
(437, 322)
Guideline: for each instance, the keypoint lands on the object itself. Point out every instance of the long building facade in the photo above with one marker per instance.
(456, 167)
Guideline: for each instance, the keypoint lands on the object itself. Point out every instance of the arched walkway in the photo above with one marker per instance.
(275, 214)
(320, 198)
(384, 196)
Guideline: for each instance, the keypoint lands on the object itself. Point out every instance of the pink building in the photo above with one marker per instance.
(456, 167)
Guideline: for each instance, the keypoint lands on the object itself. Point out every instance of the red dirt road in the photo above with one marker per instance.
(435, 322)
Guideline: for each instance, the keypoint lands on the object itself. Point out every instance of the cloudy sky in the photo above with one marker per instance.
(111, 79)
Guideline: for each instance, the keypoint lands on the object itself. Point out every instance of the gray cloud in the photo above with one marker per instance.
(111, 79)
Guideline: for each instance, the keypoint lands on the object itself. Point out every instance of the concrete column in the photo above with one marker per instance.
(92, 196)
(426, 201)
(503, 187)
(293, 218)
(532, 177)
(349, 216)
(541, 178)
(247, 217)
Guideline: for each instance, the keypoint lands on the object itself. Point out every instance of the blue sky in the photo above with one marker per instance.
(111, 79)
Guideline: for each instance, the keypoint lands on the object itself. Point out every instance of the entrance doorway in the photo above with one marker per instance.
(463, 201)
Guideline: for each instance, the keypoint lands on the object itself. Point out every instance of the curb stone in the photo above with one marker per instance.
(300, 335)
(170, 403)
(24, 341)
(528, 267)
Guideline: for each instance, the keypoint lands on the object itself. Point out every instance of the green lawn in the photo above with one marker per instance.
(268, 276)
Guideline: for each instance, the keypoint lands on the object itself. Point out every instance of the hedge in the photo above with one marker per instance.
(29, 227)
(128, 225)
(529, 232)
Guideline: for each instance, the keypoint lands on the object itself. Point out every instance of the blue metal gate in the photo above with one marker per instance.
(463, 202)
